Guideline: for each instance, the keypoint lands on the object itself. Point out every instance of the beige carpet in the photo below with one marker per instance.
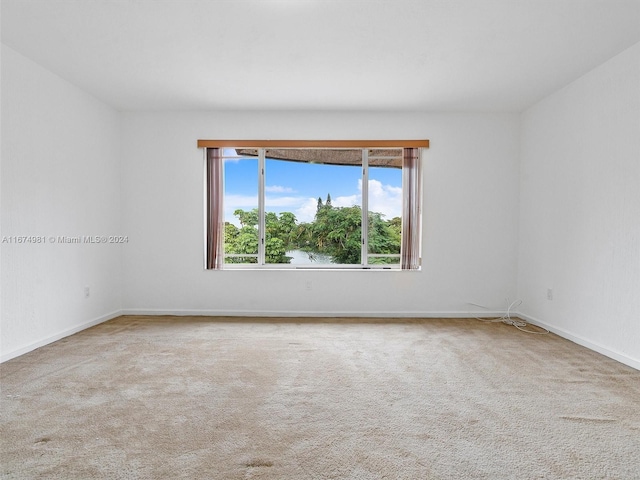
(205, 398)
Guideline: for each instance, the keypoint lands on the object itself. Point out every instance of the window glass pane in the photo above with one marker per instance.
(313, 206)
(385, 207)
(240, 207)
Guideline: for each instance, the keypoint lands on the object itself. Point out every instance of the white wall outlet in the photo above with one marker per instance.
(309, 285)
(549, 293)
(87, 292)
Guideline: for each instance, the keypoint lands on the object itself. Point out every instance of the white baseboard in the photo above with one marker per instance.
(313, 314)
(596, 347)
(53, 338)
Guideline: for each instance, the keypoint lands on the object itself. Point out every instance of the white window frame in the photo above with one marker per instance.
(261, 255)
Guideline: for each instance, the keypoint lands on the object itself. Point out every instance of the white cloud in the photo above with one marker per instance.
(284, 201)
(278, 189)
(241, 201)
(234, 202)
(307, 211)
(348, 201)
(385, 199)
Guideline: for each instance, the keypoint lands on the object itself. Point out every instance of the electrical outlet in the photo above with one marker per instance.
(87, 292)
(549, 293)
(309, 285)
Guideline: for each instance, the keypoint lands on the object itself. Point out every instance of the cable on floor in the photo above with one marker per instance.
(509, 320)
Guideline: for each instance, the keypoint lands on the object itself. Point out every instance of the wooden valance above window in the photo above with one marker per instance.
(313, 143)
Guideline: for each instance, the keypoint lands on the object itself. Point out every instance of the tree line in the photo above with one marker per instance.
(335, 232)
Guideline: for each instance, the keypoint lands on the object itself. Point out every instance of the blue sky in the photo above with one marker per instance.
(295, 187)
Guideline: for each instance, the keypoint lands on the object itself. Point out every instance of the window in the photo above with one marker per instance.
(313, 207)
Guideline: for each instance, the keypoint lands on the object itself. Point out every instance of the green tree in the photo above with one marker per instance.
(383, 238)
(302, 236)
(395, 225)
(230, 234)
(335, 231)
(245, 240)
(278, 236)
(247, 219)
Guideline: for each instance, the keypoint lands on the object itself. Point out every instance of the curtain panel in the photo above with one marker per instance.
(411, 209)
(214, 202)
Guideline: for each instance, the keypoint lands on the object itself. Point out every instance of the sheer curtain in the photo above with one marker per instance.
(215, 221)
(411, 209)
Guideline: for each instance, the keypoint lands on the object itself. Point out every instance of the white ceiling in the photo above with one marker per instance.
(401, 55)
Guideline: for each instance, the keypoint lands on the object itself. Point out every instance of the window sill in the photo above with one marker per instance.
(341, 268)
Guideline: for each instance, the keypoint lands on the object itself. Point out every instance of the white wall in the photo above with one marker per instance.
(580, 209)
(60, 176)
(566, 172)
(470, 221)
